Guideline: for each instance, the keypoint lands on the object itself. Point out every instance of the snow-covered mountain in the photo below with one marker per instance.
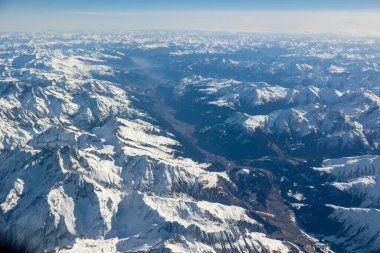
(296, 118)
(358, 176)
(83, 167)
(188, 142)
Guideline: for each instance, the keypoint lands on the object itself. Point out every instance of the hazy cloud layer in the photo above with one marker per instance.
(350, 22)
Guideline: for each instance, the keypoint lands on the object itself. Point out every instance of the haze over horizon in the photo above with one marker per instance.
(337, 16)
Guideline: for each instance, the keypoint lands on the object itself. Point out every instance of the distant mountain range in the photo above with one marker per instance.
(189, 142)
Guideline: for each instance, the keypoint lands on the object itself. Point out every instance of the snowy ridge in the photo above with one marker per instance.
(237, 94)
(79, 158)
(358, 176)
(361, 228)
(346, 120)
(88, 165)
(347, 168)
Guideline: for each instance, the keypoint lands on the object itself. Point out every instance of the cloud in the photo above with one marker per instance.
(347, 22)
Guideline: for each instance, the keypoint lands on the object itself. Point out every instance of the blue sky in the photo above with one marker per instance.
(113, 5)
(360, 17)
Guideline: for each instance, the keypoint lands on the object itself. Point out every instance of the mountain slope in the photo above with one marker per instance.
(81, 165)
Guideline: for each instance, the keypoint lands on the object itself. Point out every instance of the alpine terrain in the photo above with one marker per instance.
(189, 142)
